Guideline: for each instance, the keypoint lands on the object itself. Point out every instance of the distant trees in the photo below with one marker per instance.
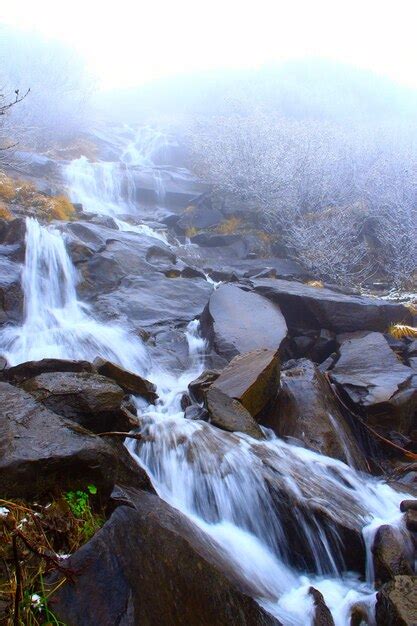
(341, 198)
(59, 88)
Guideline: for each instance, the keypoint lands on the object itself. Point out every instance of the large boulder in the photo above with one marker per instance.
(91, 400)
(368, 369)
(160, 569)
(41, 451)
(307, 410)
(312, 307)
(231, 415)
(251, 378)
(199, 218)
(391, 554)
(397, 602)
(237, 321)
(30, 369)
(130, 382)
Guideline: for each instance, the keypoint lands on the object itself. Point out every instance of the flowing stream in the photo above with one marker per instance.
(223, 482)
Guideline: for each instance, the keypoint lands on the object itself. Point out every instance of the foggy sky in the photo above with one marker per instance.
(129, 42)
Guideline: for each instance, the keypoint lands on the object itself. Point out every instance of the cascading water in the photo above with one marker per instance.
(225, 483)
(56, 324)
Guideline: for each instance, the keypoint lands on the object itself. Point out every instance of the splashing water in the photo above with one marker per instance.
(56, 324)
(237, 490)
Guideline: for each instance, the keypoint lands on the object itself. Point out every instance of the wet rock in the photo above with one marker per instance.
(11, 295)
(252, 378)
(236, 321)
(41, 451)
(307, 410)
(311, 307)
(368, 369)
(91, 400)
(160, 569)
(199, 218)
(215, 240)
(229, 414)
(397, 602)
(390, 554)
(128, 381)
(322, 615)
(199, 386)
(408, 505)
(411, 520)
(160, 255)
(30, 369)
(196, 412)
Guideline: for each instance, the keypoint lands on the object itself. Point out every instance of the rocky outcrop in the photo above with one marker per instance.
(30, 369)
(39, 449)
(251, 378)
(306, 410)
(397, 602)
(160, 569)
(312, 307)
(200, 385)
(229, 414)
(128, 381)
(375, 380)
(390, 554)
(322, 615)
(237, 321)
(93, 401)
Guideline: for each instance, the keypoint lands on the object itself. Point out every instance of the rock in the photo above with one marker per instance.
(397, 602)
(251, 378)
(196, 412)
(160, 255)
(160, 569)
(324, 346)
(390, 555)
(411, 520)
(11, 294)
(41, 451)
(322, 615)
(408, 505)
(307, 410)
(199, 386)
(91, 400)
(310, 307)
(210, 240)
(128, 381)
(368, 369)
(229, 414)
(30, 369)
(373, 378)
(199, 218)
(236, 321)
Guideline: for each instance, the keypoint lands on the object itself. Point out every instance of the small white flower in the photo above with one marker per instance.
(4, 511)
(36, 600)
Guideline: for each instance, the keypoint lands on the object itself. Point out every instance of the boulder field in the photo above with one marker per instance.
(310, 365)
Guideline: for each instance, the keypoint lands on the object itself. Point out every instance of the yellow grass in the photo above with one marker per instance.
(315, 283)
(399, 331)
(230, 226)
(5, 214)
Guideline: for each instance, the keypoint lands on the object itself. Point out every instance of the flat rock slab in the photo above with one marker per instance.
(251, 378)
(237, 321)
(368, 370)
(30, 369)
(150, 565)
(128, 381)
(229, 414)
(312, 307)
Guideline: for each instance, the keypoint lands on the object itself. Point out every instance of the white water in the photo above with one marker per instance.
(220, 480)
(108, 187)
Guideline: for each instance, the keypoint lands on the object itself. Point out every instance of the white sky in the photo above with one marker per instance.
(126, 42)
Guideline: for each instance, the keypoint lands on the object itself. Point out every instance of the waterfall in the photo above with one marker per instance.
(56, 324)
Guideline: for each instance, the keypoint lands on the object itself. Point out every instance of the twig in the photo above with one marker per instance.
(51, 560)
(18, 592)
(115, 433)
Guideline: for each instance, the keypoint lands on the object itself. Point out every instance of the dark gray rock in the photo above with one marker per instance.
(311, 307)
(236, 321)
(160, 569)
(128, 381)
(229, 414)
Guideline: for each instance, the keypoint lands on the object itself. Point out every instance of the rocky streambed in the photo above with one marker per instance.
(271, 473)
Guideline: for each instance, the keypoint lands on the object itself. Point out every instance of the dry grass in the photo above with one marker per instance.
(23, 194)
(412, 307)
(318, 284)
(399, 331)
(229, 227)
(5, 214)
(32, 536)
(190, 232)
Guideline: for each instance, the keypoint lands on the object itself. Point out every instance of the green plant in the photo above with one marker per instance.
(79, 504)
